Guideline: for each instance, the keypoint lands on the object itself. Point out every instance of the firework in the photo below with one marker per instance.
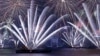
(12, 8)
(1, 41)
(73, 38)
(34, 32)
(92, 4)
(92, 31)
(62, 7)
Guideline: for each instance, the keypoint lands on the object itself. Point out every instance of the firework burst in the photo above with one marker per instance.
(12, 8)
(92, 30)
(73, 38)
(62, 7)
(35, 31)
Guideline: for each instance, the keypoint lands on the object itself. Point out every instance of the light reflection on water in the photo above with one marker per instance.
(33, 54)
(64, 52)
(28, 54)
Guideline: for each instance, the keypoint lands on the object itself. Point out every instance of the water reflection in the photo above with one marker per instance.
(63, 52)
(34, 54)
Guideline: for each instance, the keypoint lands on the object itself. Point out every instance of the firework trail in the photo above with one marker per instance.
(73, 38)
(92, 30)
(34, 33)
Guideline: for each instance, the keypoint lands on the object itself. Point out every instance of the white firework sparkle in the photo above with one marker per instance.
(34, 32)
(91, 32)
